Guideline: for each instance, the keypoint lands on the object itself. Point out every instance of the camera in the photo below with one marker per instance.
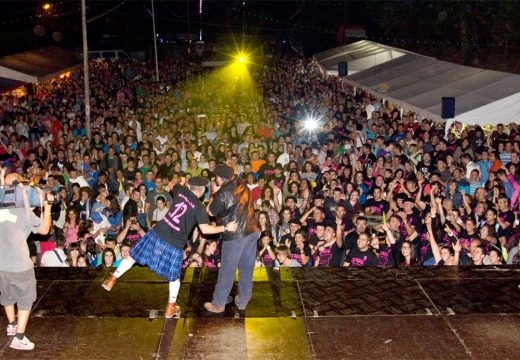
(133, 221)
(11, 196)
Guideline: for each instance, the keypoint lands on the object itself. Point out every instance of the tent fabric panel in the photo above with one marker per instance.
(503, 111)
(333, 61)
(382, 69)
(9, 84)
(41, 62)
(16, 75)
(354, 47)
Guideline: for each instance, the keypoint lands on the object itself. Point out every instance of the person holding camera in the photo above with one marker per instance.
(161, 248)
(131, 233)
(17, 279)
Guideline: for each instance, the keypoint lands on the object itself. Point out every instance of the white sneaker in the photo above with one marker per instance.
(23, 344)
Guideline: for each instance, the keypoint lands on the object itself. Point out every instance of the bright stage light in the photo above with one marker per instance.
(310, 124)
(242, 58)
(46, 6)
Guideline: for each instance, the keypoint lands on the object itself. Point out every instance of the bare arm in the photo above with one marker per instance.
(465, 202)
(122, 234)
(457, 247)
(208, 229)
(435, 247)
(339, 238)
(420, 204)
(303, 219)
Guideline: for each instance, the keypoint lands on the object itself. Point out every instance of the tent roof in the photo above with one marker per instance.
(8, 84)
(420, 83)
(37, 65)
(359, 55)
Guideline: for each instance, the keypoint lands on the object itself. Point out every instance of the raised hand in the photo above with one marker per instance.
(457, 247)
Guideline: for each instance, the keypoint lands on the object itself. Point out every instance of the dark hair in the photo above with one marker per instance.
(114, 204)
(268, 221)
(401, 260)
(107, 250)
(60, 241)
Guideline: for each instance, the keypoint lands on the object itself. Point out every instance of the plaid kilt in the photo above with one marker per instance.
(162, 258)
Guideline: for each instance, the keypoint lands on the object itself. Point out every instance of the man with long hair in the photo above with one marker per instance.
(232, 201)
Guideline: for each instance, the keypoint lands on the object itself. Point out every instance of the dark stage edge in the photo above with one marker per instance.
(304, 313)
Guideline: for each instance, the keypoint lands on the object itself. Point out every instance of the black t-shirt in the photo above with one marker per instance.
(296, 254)
(310, 227)
(266, 170)
(331, 255)
(357, 257)
(185, 212)
(414, 219)
(351, 240)
(287, 237)
(465, 239)
(12, 158)
(129, 174)
(426, 169)
(506, 216)
(377, 207)
(386, 256)
(132, 237)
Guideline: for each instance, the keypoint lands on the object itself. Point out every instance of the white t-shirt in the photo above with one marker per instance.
(80, 180)
(15, 228)
(52, 258)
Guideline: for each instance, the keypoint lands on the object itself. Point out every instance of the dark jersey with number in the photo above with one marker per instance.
(185, 212)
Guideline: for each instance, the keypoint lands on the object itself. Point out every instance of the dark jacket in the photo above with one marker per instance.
(233, 202)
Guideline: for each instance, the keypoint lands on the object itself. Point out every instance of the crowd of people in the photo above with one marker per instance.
(370, 186)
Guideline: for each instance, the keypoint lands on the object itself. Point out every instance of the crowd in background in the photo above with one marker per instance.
(370, 186)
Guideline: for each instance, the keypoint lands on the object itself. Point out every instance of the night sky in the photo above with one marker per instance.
(479, 33)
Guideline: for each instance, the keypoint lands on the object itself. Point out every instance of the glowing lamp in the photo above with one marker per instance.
(311, 124)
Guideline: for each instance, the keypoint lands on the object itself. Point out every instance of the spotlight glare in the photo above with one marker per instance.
(241, 59)
(310, 124)
(46, 6)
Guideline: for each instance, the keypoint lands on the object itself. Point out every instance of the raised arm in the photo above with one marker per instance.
(457, 247)
(420, 204)
(435, 247)
(303, 219)
(465, 202)
(339, 230)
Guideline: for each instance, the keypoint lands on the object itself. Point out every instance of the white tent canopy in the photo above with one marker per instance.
(418, 83)
(360, 55)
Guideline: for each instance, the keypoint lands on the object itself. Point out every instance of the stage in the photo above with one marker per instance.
(335, 313)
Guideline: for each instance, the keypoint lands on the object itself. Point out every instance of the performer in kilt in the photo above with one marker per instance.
(161, 249)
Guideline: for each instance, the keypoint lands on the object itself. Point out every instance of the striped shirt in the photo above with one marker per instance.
(505, 157)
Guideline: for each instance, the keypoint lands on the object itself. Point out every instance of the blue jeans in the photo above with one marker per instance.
(239, 254)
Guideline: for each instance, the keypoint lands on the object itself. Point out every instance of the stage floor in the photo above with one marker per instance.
(335, 313)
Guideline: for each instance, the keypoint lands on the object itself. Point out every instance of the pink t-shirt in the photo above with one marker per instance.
(71, 236)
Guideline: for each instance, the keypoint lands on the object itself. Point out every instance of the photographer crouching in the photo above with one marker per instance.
(17, 279)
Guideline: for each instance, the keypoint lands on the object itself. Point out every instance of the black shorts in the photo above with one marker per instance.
(18, 288)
